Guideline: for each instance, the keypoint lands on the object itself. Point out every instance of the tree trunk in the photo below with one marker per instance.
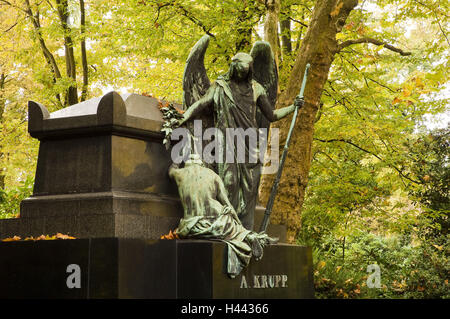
(83, 51)
(285, 28)
(300, 31)
(2, 109)
(244, 28)
(271, 26)
(72, 94)
(49, 58)
(318, 49)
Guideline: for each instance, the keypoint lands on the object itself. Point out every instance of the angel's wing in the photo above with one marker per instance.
(195, 85)
(195, 80)
(265, 73)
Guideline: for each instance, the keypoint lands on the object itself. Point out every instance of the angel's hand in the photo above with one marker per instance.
(299, 102)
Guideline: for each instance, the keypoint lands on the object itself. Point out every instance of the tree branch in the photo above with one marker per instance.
(304, 6)
(10, 27)
(47, 54)
(45, 51)
(399, 171)
(196, 21)
(373, 41)
(299, 22)
(437, 20)
(442, 29)
(160, 6)
(13, 5)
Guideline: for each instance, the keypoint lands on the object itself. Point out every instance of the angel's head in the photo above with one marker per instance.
(241, 67)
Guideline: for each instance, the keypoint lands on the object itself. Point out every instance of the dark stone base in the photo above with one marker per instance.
(96, 215)
(132, 268)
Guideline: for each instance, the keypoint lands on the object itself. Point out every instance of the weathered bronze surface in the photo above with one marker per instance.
(219, 201)
(243, 98)
(208, 214)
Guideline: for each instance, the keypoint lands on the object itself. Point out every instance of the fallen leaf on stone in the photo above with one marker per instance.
(170, 235)
(62, 236)
(15, 238)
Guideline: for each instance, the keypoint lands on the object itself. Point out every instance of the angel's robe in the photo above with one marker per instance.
(208, 215)
(235, 107)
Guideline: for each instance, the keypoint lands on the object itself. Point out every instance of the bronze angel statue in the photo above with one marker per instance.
(242, 98)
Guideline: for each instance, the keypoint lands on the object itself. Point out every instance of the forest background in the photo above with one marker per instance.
(367, 176)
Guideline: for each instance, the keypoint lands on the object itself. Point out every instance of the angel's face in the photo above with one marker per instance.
(242, 63)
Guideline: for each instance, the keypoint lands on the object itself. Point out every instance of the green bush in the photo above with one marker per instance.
(10, 198)
(407, 270)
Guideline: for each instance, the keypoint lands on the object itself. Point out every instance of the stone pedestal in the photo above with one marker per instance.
(154, 269)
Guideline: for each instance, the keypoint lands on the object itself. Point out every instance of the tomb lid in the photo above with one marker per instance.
(123, 114)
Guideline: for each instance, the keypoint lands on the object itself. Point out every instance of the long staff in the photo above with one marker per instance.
(274, 190)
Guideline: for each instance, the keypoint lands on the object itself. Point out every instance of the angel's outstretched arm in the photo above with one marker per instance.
(273, 115)
(196, 108)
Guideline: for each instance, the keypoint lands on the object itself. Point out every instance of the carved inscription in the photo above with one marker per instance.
(264, 281)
